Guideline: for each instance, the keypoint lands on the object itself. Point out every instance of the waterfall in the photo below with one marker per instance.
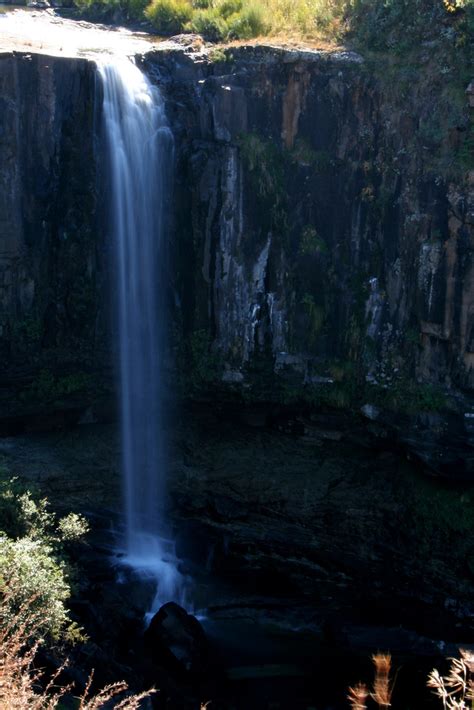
(139, 147)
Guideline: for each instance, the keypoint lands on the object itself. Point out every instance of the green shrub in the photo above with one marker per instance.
(136, 8)
(100, 8)
(210, 25)
(252, 21)
(32, 576)
(72, 527)
(34, 572)
(20, 514)
(397, 25)
(227, 8)
(169, 16)
(218, 55)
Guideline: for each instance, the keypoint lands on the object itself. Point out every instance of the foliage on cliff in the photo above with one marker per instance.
(35, 573)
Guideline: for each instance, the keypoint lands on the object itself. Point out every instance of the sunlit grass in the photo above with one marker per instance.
(224, 20)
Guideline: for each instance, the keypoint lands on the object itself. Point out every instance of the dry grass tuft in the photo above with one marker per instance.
(456, 689)
(20, 682)
(382, 690)
(18, 678)
(358, 696)
(382, 687)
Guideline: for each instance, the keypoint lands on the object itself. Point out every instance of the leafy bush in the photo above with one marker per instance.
(23, 515)
(136, 8)
(30, 573)
(34, 572)
(72, 527)
(169, 16)
(218, 20)
(398, 25)
(252, 21)
(392, 24)
(227, 8)
(210, 25)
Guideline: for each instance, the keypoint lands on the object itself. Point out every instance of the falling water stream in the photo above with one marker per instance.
(139, 147)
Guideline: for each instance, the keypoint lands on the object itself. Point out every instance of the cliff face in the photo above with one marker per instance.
(50, 268)
(321, 250)
(320, 265)
(323, 230)
(324, 238)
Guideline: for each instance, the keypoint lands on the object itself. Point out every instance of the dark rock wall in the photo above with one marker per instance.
(321, 246)
(326, 234)
(51, 258)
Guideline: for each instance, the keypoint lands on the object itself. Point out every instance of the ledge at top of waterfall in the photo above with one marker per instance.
(47, 33)
(139, 151)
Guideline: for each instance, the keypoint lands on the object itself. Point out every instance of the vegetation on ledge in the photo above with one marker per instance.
(390, 24)
(407, 43)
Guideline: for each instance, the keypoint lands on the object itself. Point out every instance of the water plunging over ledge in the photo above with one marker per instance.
(139, 148)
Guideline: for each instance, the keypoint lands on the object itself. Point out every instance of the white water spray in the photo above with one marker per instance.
(139, 151)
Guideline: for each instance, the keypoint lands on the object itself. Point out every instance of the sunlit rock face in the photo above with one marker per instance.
(331, 257)
(319, 227)
(317, 250)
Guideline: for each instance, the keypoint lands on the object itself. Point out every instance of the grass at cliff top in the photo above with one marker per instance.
(221, 20)
(373, 24)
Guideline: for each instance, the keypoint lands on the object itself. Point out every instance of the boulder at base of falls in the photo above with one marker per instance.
(177, 642)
